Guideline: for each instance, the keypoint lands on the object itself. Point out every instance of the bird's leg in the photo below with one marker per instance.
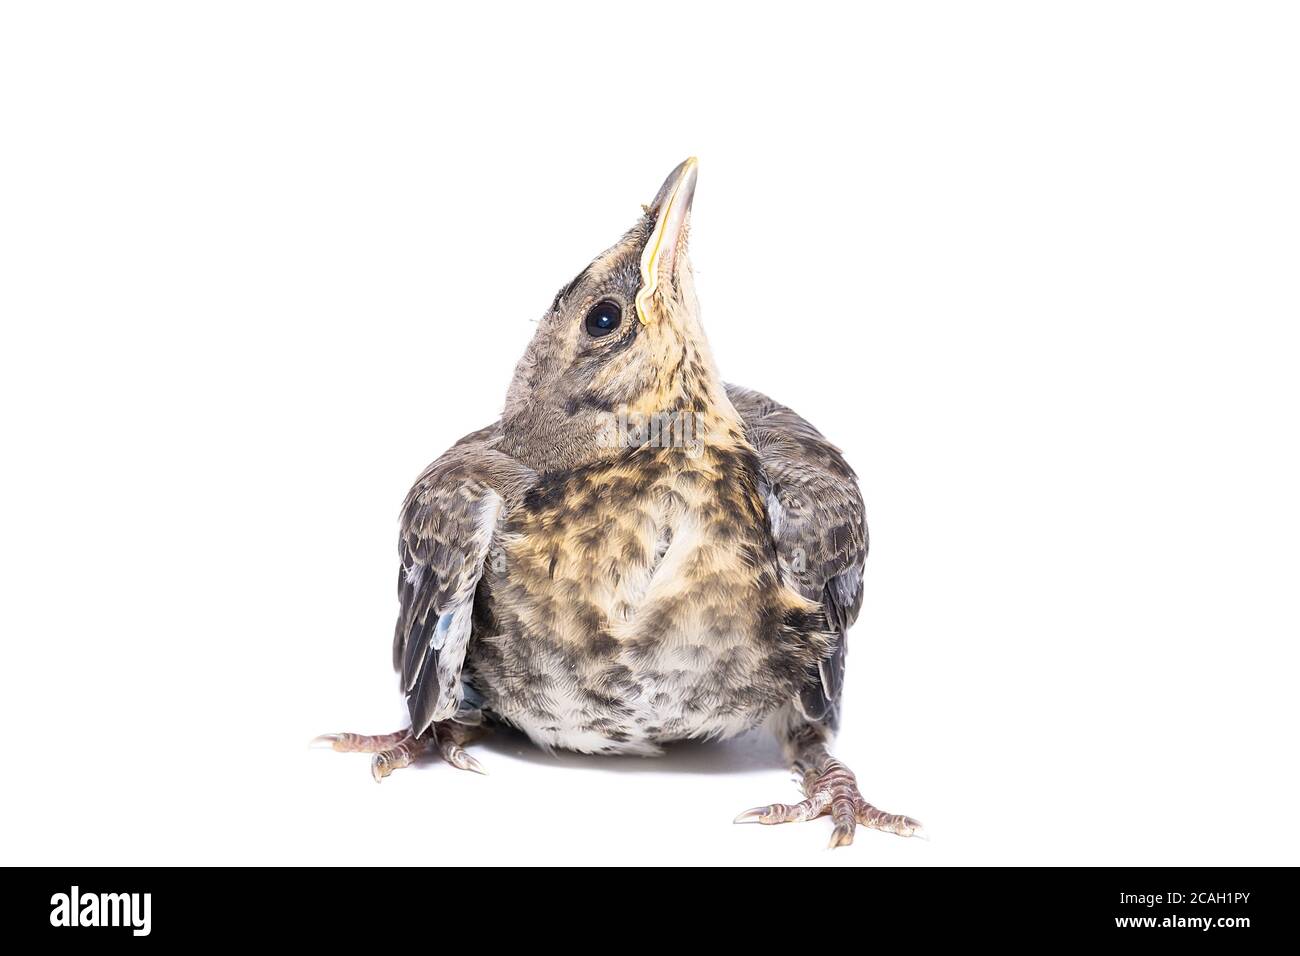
(828, 786)
(397, 750)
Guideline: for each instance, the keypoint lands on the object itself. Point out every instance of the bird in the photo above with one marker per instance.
(634, 553)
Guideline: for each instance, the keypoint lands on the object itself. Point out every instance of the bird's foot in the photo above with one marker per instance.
(833, 789)
(398, 750)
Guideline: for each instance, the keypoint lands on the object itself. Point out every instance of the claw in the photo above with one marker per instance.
(325, 742)
(752, 816)
(460, 758)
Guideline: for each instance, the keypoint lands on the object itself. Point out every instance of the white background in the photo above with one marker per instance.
(1033, 266)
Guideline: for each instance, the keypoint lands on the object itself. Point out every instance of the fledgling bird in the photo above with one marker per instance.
(634, 553)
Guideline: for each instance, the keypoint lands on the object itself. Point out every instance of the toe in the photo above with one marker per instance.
(360, 743)
(905, 826)
(842, 835)
(403, 755)
(780, 813)
(772, 813)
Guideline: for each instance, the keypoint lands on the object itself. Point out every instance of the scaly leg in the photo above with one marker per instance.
(829, 787)
(397, 750)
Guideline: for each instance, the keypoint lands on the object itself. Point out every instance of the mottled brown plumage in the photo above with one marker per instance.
(634, 553)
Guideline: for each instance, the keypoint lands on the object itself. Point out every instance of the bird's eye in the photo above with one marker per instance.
(604, 318)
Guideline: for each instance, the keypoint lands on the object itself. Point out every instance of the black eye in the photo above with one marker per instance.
(604, 318)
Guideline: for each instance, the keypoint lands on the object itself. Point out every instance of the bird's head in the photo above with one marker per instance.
(621, 341)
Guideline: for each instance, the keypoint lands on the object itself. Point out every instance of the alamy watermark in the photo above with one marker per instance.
(102, 909)
(667, 429)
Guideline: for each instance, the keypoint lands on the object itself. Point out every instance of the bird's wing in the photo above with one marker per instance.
(819, 525)
(448, 523)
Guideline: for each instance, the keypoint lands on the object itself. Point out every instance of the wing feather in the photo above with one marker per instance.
(818, 523)
(448, 525)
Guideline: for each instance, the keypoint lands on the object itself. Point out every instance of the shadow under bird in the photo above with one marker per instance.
(635, 552)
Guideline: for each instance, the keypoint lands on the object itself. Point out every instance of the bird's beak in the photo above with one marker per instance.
(671, 209)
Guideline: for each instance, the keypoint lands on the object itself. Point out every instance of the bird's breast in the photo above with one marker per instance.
(639, 602)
